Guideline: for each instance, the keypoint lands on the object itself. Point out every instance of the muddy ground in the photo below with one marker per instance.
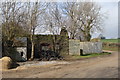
(99, 67)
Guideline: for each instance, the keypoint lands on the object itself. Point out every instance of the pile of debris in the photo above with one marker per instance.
(50, 55)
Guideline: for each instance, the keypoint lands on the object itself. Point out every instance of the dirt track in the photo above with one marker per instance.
(100, 67)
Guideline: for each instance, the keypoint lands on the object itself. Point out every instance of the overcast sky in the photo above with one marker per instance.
(111, 23)
(110, 7)
(110, 27)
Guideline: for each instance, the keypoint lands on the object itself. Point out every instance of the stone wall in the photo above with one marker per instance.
(87, 47)
(61, 41)
(74, 47)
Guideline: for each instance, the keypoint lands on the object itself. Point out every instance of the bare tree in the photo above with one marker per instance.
(53, 21)
(18, 16)
(34, 12)
(10, 13)
(71, 11)
(91, 19)
(53, 16)
(8, 16)
(83, 17)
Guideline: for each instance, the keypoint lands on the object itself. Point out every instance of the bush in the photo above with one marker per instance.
(95, 40)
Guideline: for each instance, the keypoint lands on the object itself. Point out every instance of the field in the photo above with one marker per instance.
(111, 40)
(110, 44)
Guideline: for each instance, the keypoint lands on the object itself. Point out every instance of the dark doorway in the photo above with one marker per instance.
(21, 53)
(81, 52)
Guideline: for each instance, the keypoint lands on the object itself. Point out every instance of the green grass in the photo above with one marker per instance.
(90, 55)
(110, 48)
(111, 40)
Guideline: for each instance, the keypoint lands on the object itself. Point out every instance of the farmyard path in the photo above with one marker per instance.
(100, 67)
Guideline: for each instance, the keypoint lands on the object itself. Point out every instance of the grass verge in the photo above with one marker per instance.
(110, 48)
(77, 57)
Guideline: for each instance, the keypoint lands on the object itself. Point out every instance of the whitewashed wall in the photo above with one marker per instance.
(87, 47)
(18, 55)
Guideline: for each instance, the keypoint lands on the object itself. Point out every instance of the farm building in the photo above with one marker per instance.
(58, 44)
(53, 43)
(20, 45)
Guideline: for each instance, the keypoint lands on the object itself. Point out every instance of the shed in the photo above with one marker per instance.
(20, 43)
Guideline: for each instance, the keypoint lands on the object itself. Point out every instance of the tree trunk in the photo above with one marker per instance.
(72, 36)
(54, 43)
(32, 52)
(80, 39)
(87, 37)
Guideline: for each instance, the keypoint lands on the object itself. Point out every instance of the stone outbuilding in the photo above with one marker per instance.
(42, 42)
(20, 45)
